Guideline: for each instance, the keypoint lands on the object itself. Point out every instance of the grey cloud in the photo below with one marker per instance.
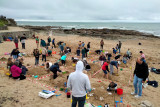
(81, 9)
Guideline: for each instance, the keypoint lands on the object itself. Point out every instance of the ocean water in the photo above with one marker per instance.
(150, 27)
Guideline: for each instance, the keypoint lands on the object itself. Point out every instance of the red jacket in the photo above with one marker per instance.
(16, 71)
(104, 66)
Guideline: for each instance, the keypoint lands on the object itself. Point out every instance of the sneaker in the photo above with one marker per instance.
(133, 93)
(137, 96)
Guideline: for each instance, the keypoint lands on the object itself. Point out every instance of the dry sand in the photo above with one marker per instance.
(24, 93)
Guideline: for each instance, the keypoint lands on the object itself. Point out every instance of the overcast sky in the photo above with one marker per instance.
(131, 10)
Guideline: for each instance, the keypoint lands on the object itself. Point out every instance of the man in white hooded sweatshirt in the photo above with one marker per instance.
(78, 83)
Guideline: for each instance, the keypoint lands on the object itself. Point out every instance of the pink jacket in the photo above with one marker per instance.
(104, 66)
(16, 71)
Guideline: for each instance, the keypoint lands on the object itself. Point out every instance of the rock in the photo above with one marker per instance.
(142, 105)
(11, 22)
(146, 103)
(105, 33)
(139, 43)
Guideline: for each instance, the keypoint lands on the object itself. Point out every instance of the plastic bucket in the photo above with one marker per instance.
(54, 52)
(68, 94)
(119, 91)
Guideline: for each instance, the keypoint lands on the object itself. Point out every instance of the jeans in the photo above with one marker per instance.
(15, 57)
(80, 100)
(83, 56)
(78, 54)
(23, 45)
(109, 58)
(36, 61)
(44, 57)
(137, 85)
(111, 69)
(119, 50)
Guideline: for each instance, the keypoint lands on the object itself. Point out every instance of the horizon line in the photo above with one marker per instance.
(139, 21)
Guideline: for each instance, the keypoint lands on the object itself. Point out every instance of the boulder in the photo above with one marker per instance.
(146, 103)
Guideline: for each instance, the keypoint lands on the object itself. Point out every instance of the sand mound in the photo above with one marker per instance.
(36, 71)
(3, 59)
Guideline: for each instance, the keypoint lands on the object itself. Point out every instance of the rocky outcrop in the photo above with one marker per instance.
(11, 22)
(35, 28)
(105, 32)
(8, 21)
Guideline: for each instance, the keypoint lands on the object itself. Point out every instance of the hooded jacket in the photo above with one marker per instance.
(78, 82)
(16, 71)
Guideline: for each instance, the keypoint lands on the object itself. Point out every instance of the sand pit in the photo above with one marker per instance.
(25, 93)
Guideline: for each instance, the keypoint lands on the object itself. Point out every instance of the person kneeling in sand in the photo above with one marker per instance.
(16, 71)
(54, 68)
(112, 87)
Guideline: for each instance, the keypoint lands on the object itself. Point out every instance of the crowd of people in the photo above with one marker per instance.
(77, 85)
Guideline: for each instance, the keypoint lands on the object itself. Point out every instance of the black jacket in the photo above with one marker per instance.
(36, 55)
(22, 38)
(88, 45)
(14, 52)
(141, 70)
(54, 68)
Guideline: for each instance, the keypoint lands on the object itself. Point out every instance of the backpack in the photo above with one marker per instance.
(157, 71)
(153, 83)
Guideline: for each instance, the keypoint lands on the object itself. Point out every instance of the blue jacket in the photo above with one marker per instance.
(53, 41)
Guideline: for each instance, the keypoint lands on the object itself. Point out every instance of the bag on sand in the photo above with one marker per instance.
(157, 71)
(153, 83)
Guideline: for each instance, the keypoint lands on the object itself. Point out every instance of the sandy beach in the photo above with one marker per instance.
(24, 93)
